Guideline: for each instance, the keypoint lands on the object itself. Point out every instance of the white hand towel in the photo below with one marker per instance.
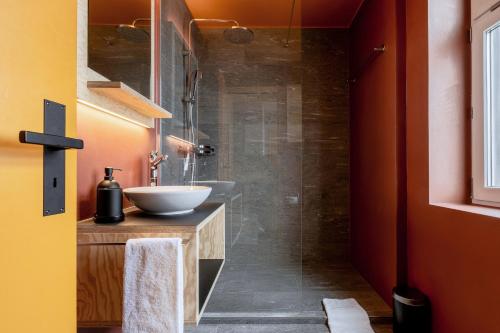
(153, 286)
(346, 316)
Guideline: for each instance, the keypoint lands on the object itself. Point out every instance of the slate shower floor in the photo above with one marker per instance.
(260, 288)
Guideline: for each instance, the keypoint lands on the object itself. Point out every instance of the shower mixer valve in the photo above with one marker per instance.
(205, 150)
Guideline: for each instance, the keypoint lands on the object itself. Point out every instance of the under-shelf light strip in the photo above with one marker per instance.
(99, 108)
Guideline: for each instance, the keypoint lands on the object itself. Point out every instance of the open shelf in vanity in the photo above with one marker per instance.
(101, 251)
(209, 272)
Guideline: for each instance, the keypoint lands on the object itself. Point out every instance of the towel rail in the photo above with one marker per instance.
(374, 54)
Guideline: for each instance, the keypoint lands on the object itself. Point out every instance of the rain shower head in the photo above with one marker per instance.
(238, 35)
(132, 32)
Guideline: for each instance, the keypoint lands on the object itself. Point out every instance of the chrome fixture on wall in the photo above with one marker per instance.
(205, 151)
(134, 33)
(373, 55)
(155, 159)
(236, 34)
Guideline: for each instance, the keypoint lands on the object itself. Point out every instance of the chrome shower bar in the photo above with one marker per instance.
(374, 54)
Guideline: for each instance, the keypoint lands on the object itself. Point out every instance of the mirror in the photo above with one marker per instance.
(119, 41)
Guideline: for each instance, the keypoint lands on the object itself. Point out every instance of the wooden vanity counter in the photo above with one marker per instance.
(101, 250)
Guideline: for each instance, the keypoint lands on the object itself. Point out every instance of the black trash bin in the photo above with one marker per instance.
(412, 311)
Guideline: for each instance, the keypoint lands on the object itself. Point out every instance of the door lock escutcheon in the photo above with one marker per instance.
(55, 143)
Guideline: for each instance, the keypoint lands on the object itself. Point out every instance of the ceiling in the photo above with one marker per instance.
(252, 13)
(118, 11)
(276, 13)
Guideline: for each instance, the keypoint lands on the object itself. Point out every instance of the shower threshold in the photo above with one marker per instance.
(250, 318)
(255, 318)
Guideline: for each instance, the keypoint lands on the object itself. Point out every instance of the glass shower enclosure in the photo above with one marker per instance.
(263, 109)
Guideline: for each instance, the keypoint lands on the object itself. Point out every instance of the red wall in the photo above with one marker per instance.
(109, 141)
(373, 146)
(453, 255)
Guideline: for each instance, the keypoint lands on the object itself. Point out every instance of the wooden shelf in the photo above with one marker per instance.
(122, 93)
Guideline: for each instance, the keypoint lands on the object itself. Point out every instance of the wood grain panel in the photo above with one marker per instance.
(211, 238)
(191, 281)
(100, 282)
(137, 228)
(100, 277)
(101, 251)
(121, 238)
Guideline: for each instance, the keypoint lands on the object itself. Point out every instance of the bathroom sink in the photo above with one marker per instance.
(167, 200)
(219, 187)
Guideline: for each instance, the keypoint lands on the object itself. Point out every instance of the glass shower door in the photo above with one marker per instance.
(250, 111)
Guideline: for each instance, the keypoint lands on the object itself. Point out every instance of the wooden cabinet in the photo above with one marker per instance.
(101, 256)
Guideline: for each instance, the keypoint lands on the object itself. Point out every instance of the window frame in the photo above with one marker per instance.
(481, 194)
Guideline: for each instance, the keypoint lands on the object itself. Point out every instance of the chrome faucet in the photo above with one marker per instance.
(155, 159)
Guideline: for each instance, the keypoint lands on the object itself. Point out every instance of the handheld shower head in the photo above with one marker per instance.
(195, 78)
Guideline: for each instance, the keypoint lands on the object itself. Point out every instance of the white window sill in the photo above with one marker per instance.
(473, 209)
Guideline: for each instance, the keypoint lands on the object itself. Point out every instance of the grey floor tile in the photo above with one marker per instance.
(230, 302)
(301, 328)
(259, 329)
(201, 329)
(290, 288)
(277, 301)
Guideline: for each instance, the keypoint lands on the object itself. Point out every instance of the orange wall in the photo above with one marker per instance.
(276, 13)
(118, 11)
(453, 255)
(37, 253)
(109, 141)
(373, 146)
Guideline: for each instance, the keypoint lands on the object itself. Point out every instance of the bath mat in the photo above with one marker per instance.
(346, 316)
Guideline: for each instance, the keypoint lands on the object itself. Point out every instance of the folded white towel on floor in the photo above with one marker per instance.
(153, 286)
(346, 316)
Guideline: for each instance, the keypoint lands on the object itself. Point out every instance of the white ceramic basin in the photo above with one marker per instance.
(167, 200)
(219, 187)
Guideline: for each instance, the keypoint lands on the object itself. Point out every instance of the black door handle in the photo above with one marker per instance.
(55, 143)
(50, 140)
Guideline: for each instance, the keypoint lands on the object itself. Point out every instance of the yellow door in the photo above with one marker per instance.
(37, 254)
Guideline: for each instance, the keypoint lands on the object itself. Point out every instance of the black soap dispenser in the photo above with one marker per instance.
(109, 199)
